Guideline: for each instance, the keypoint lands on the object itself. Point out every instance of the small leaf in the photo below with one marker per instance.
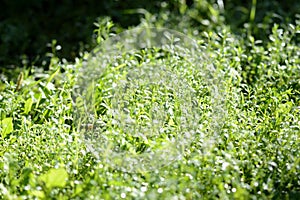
(19, 82)
(7, 126)
(55, 178)
(53, 75)
(37, 193)
(28, 105)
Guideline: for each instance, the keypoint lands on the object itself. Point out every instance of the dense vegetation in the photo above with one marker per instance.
(248, 148)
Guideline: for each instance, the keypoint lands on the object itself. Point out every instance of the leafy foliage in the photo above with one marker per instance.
(254, 155)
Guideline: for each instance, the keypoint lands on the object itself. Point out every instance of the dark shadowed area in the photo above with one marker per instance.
(29, 27)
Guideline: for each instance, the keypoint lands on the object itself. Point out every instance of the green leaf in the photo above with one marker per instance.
(53, 75)
(55, 178)
(37, 193)
(28, 105)
(7, 126)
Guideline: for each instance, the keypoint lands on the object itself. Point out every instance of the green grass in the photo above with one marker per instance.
(250, 152)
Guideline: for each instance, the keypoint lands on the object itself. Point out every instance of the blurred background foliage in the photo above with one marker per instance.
(31, 31)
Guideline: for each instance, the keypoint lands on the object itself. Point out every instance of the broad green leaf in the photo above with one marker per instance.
(7, 126)
(28, 105)
(55, 178)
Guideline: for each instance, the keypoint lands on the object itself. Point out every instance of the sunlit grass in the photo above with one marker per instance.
(252, 155)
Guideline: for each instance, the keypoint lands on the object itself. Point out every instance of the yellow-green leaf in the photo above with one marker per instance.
(53, 75)
(7, 126)
(28, 105)
(37, 193)
(55, 178)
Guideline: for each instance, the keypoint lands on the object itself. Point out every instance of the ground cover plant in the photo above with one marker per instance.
(250, 152)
